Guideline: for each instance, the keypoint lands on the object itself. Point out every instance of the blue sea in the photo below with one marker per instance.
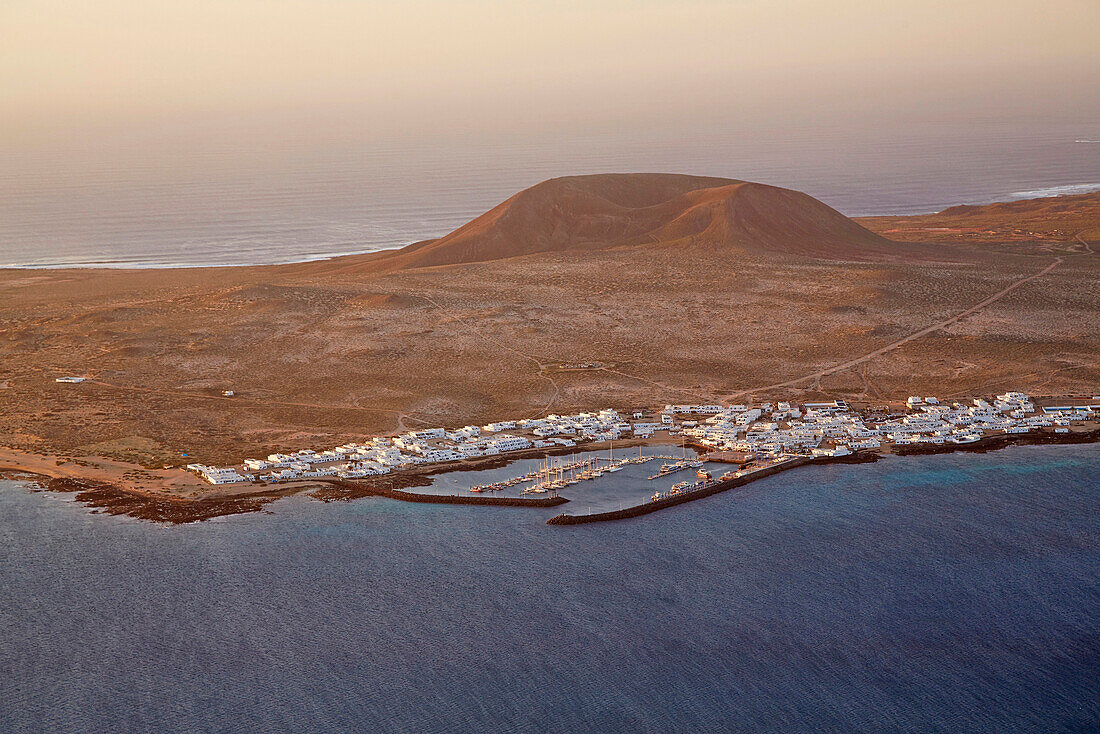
(956, 593)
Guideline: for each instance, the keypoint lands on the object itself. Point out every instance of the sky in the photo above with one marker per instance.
(432, 68)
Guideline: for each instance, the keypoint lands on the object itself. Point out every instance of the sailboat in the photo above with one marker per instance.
(691, 463)
(611, 465)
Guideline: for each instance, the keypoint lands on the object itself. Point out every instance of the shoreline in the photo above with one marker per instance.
(1042, 192)
(994, 443)
(124, 266)
(983, 445)
(110, 498)
(179, 497)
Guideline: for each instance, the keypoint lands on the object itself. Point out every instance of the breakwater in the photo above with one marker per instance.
(350, 490)
(678, 499)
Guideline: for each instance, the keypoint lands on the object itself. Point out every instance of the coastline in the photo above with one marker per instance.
(164, 507)
(984, 445)
(174, 496)
(1050, 191)
(994, 443)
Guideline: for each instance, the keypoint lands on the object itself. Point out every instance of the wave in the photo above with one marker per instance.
(1086, 141)
(168, 264)
(1066, 190)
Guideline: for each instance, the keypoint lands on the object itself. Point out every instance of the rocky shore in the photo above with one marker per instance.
(111, 500)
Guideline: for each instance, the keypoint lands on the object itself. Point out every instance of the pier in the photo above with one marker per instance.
(671, 500)
(444, 499)
(678, 465)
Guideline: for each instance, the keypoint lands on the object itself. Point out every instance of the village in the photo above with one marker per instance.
(770, 431)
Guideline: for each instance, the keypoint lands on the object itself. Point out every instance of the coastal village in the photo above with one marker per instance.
(770, 434)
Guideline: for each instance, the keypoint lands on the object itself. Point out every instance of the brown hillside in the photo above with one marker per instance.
(1069, 219)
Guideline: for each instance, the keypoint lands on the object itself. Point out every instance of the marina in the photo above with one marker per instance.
(594, 483)
(682, 492)
(554, 474)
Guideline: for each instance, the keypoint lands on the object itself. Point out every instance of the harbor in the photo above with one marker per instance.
(597, 481)
(608, 462)
(684, 492)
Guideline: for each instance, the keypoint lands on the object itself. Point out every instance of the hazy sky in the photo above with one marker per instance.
(432, 66)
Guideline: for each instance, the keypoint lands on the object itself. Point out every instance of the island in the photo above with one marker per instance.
(636, 291)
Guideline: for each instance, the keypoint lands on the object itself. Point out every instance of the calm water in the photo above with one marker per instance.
(627, 487)
(172, 197)
(952, 593)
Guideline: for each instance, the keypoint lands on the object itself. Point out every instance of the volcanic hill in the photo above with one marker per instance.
(596, 212)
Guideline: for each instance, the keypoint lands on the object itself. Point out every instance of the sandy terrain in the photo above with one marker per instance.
(324, 353)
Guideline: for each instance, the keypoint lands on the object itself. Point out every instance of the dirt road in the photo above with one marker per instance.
(905, 340)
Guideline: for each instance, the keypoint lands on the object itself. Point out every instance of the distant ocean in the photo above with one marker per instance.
(956, 593)
(214, 201)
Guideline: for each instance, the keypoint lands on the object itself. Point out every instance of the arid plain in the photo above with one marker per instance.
(681, 307)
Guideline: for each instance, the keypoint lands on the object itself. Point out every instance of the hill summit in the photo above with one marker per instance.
(653, 210)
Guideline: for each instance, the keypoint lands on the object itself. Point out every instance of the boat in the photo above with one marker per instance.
(656, 496)
(680, 485)
(702, 474)
(477, 489)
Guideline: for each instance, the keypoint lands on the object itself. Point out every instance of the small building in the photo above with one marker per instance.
(840, 450)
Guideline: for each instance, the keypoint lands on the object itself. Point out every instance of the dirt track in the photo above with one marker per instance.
(915, 335)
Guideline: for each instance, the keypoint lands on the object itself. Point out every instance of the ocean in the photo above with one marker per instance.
(228, 197)
(952, 593)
